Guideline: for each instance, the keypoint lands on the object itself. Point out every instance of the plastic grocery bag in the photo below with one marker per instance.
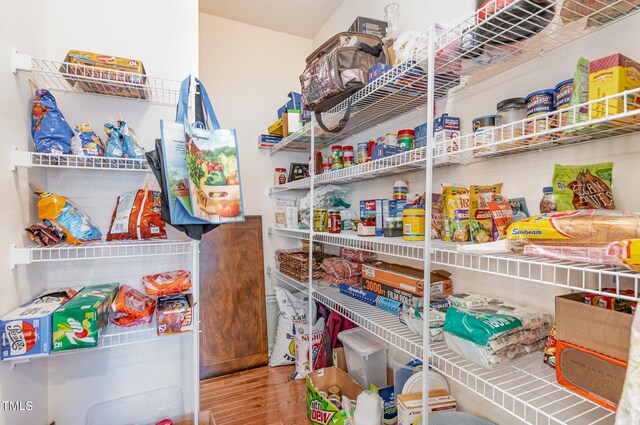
(51, 132)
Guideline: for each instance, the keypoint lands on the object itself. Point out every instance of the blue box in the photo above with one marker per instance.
(447, 124)
(268, 140)
(371, 209)
(382, 151)
(420, 138)
(295, 102)
(378, 70)
(392, 208)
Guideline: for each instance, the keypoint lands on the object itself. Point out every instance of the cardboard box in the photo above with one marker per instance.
(604, 331)
(611, 75)
(81, 321)
(595, 376)
(383, 151)
(392, 208)
(275, 129)
(294, 103)
(320, 411)
(410, 405)
(378, 70)
(26, 331)
(386, 278)
(268, 141)
(174, 313)
(291, 122)
(420, 137)
(204, 418)
(106, 67)
(371, 209)
(369, 26)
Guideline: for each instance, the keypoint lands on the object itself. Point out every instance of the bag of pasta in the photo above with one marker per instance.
(480, 220)
(456, 213)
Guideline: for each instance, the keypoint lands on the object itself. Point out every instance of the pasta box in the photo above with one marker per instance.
(321, 411)
(26, 331)
(128, 73)
(81, 322)
(174, 313)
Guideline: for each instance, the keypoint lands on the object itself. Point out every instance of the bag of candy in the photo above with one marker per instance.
(166, 283)
(51, 132)
(132, 307)
(86, 142)
(137, 216)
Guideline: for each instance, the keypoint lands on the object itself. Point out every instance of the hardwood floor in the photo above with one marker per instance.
(263, 395)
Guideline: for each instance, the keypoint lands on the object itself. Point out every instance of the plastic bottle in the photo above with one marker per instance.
(548, 201)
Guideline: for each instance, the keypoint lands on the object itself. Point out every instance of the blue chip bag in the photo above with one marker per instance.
(51, 132)
(115, 146)
(86, 142)
(131, 147)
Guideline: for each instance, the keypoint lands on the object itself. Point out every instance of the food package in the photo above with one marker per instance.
(137, 216)
(468, 300)
(26, 331)
(456, 214)
(578, 187)
(280, 206)
(86, 142)
(591, 236)
(598, 11)
(330, 280)
(122, 143)
(51, 132)
(550, 348)
(44, 235)
(65, 217)
(611, 302)
(629, 405)
(357, 255)
(318, 353)
(609, 76)
(501, 214)
(341, 268)
(519, 208)
(174, 313)
(132, 307)
(293, 311)
(436, 216)
(81, 322)
(115, 144)
(480, 218)
(167, 283)
(411, 314)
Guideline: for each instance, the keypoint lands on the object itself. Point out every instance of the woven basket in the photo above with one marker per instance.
(295, 263)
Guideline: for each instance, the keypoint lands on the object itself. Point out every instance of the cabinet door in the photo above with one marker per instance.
(232, 299)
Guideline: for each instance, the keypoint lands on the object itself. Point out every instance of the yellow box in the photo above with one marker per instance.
(611, 75)
(276, 128)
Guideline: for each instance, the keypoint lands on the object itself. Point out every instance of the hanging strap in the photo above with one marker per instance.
(341, 124)
(208, 118)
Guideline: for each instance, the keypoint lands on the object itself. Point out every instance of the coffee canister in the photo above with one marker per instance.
(413, 223)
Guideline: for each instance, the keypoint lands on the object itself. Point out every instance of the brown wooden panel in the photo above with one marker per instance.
(232, 299)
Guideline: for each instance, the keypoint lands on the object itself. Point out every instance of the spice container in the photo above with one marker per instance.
(280, 176)
(326, 164)
(347, 155)
(336, 157)
(320, 220)
(540, 103)
(405, 138)
(335, 224)
(367, 228)
(548, 202)
(400, 189)
(484, 133)
(510, 111)
(317, 158)
(363, 152)
(413, 223)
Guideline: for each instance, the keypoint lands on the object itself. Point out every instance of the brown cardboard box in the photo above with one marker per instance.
(604, 331)
(410, 405)
(400, 282)
(319, 410)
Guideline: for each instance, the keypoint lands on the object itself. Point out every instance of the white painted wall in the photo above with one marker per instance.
(165, 37)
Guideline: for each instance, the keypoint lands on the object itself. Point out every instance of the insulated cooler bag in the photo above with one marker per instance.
(338, 68)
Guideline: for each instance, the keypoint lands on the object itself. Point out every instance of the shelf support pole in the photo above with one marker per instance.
(312, 170)
(195, 272)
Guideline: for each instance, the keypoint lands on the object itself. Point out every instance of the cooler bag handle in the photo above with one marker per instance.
(341, 124)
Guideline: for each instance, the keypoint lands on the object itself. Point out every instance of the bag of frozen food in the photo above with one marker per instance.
(86, 142)
(356, 255)
(293, 310)
(137, 216)
(318, 354)
(589, 236)
(167, 283)
(132, 307)
(480, 220)
(519, 208)
(456, 213)
(436, 216)
(65, 217)
(501, 214)
(51, 132)
(468, 300)
(578, 187)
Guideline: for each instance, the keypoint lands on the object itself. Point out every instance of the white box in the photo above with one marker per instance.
(410, 405)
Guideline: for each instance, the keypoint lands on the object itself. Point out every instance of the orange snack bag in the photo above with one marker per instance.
(137, 216)
(167, 283)
(132, 307)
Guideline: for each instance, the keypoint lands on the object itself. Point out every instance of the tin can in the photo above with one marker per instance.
(336, 157)
(413, 223)
(323, 394)
(564, 91)
(326, 164)
(366, 228)
(400, 189)
(320, 220)
(406, 138)
(335, 226)
(370, 144)
(334, 390)
(347, 156)
(539, 104)
(335, 400)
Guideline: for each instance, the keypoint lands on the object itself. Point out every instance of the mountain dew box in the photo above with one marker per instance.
(81, 322)
(320, 411)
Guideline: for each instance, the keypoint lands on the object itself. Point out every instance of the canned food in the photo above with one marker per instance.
(336, 157)
(335, 400)
(320, 220)
(539, 104)
(334, 390)
(323, 394)
(347, 156)
(367, 228)
(406, 138)
(564, 91)
(335, 226)
(413, 223)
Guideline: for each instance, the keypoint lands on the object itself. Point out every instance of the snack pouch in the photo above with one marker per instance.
(436, 216)
(456, 214)
(51, 132)
(115, 146)
(137, 216)
(86, 142)
(501, 214)
(167, 283)
(132, 307)
(578, 187)
(519, 208)
(480, 220)
(64, 216)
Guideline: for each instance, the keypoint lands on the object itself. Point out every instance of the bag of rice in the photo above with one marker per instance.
(480, 221)
(293, 311)
(318, 352)
(456, 213)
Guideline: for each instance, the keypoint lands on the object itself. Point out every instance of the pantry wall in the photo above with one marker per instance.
(63, 388)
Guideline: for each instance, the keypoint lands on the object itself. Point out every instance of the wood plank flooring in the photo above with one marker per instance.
(264, 395)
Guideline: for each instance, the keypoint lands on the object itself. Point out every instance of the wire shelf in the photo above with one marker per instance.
(98, 250)
(592, 278)
(70, 77)
(34, 159)
(526, 388)
(294, 185)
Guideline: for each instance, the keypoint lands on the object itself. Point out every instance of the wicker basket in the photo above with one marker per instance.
(295, 263)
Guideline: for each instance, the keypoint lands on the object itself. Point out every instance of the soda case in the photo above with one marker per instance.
(26, 331)
(81, 322)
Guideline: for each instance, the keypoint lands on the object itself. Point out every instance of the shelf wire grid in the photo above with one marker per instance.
(36, 159)
(526, 388)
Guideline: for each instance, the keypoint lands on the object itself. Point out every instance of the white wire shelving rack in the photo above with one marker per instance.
(526, 388)
(71, 77)
(20, 158)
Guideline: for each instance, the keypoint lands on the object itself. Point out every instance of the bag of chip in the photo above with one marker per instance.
(579, 187)
(436, 216)
(137, 216)
(131, 147)
(51, 132)
(59, 212)
(501, 214)
(480, 219)
(519, 208)
(115, 145)
(132, 307)
(166, 283)
(44, 235)
(86, 142)
(456, 213)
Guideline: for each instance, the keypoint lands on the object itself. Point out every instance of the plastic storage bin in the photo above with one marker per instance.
(403, 369)
(366, 357)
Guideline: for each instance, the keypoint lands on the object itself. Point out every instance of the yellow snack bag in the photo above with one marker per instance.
(480, 220)
(456, 213)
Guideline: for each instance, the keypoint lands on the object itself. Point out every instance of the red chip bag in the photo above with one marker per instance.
(167, 283)
(132, 307)
(137, 216)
